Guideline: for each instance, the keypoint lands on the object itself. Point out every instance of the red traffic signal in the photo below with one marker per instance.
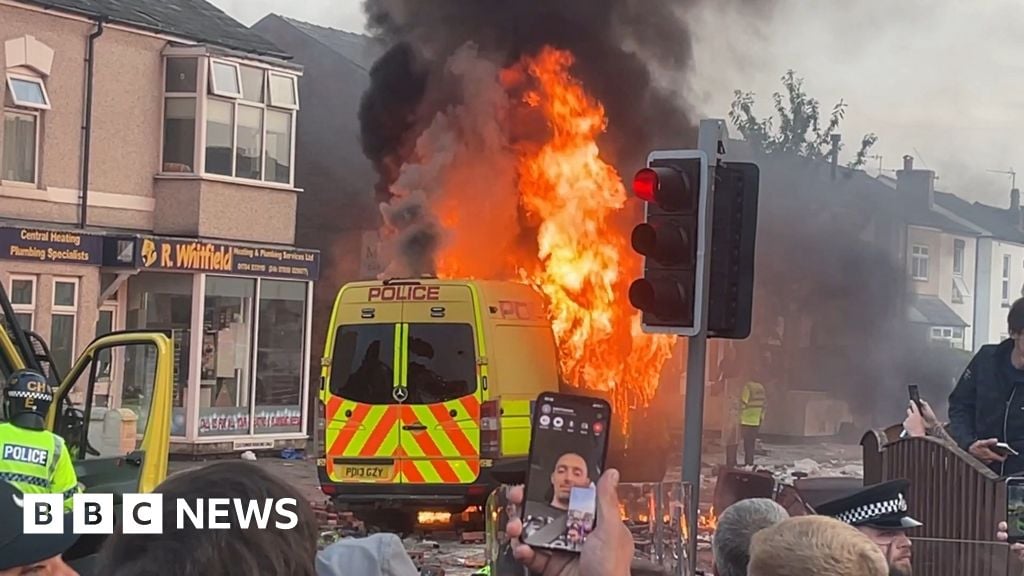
(671, 189)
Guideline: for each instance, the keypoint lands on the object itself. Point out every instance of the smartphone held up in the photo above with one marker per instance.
(568, 447)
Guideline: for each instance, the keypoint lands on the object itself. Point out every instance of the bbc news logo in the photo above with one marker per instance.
(144, 513)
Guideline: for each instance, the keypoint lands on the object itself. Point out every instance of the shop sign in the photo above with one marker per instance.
(228, 421)
(52, 246)
(201, 256)
(252, 445)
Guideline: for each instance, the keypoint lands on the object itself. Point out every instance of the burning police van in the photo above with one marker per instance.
(411, 369)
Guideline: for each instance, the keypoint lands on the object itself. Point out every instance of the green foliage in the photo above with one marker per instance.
(799, 129)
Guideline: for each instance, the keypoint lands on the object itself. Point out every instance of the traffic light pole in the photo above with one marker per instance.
(711, 141)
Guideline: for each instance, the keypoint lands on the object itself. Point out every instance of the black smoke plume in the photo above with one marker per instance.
(613, 42)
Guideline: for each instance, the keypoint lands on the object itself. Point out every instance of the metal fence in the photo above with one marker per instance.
(959, 500)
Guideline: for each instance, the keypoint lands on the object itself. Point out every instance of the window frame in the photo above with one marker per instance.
(22, 308)
(959, 247)
(1005, 277)
(212, 79)
(205, 92)
(919, 253)
(66, 310)
(37, 118)
(33, 80)
(270, 91)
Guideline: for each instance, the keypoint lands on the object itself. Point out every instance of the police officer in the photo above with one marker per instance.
(32, 458)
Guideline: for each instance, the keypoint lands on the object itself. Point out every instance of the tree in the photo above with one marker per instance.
(799, 128)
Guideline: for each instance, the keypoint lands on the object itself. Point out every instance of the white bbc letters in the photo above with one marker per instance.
(43, 513)
(142, 514)
(93, 513)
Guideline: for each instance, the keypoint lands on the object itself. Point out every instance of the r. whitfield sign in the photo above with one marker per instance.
(202, 256)
(54, 246)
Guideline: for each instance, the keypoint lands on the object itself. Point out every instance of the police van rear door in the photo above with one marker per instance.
(360, 407)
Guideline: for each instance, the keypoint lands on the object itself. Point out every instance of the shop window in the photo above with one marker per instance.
(163, 301)
(20, 146)
(363, 363)
(23, 300)
(226, 367)
(442, 363)
(280, 356)
(63, 321)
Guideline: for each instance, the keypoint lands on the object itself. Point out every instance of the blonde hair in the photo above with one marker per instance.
(814, 545)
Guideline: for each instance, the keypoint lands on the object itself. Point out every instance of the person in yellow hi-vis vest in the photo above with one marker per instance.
(32, 458)
(752, 405)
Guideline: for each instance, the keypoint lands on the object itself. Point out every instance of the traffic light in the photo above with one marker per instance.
(733, 235)
(671, 239)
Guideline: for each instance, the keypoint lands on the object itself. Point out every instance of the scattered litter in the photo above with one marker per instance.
(291, 454)
(249, 455)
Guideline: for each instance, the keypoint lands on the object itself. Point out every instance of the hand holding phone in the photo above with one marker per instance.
(1004, 449)
(568, 447)
(915, 396)
(1015, 509)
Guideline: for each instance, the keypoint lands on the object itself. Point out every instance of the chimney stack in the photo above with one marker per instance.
(916, 186)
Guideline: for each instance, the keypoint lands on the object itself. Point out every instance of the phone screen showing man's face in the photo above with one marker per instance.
(566, 459)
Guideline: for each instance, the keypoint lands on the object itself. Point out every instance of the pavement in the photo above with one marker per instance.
(784, 461)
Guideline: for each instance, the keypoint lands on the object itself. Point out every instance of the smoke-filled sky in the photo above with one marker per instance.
(941, 77)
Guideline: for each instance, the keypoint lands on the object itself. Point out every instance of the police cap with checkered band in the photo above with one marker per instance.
(27, 392)
(882, 506)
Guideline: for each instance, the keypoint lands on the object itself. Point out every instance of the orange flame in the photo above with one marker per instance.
(583, 265)
(708, 522)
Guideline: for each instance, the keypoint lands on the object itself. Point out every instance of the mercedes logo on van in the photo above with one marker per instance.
(400, 394)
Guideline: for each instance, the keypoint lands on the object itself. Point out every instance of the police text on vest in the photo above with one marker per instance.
(25, 454)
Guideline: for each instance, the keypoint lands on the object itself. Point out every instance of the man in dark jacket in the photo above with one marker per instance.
(987, 405)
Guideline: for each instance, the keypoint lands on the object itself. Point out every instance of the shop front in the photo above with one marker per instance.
(240, 317)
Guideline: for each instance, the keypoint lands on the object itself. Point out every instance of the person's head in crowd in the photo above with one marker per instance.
(570, 472)
(252, 551)
(24, 554)
(813, 545)
(736, 526)
(1015, 324)
(881, 513)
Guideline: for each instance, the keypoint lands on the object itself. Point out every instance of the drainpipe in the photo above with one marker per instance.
(87, 124)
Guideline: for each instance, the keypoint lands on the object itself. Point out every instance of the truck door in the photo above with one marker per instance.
(440, 416)
(118, 440)
(360, 407)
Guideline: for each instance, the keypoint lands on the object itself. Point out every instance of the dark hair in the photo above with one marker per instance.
(1015, 318)
(189, 551)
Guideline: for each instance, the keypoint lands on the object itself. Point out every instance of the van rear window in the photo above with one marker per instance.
(363, 365)
(442, 363)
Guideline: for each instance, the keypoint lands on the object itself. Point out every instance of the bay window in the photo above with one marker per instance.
(228, 118)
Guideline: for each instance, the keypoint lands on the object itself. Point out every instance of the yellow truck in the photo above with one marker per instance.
(126, 449)
(418, 376)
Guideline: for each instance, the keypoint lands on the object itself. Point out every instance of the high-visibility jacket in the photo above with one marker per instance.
(36, 462)
(752, 402)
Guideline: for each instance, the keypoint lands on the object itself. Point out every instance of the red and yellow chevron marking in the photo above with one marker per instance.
(448, 451)
(371, 431)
